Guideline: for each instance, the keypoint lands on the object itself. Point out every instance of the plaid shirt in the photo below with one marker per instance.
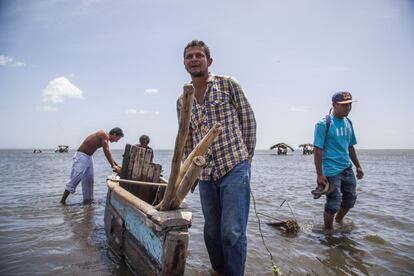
(224, 102)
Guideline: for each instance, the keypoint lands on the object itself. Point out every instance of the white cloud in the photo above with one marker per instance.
(9, 61)
(151, 91)
(131, 111)
(299, 109)
(47, 108)
(141, 112)
(59, 89)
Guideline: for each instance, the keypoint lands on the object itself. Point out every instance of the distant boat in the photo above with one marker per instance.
(62, 148)
(282, 148)
(37, 151)
(307, 149)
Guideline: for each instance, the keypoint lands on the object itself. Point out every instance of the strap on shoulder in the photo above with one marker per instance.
(328, 122)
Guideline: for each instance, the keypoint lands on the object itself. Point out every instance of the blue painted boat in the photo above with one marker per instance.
(150, 242)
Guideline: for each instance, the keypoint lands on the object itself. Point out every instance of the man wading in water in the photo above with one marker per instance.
(82, 169)
(334, 150)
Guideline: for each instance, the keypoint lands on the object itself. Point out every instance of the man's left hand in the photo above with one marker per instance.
(359, 173)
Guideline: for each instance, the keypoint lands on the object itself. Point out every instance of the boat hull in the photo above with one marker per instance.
(150, 242)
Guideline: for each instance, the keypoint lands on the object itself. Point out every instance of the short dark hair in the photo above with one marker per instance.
(117, 132)
(199, 43)
(144, 138)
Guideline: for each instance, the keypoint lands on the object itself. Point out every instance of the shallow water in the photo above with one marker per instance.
(38, 236)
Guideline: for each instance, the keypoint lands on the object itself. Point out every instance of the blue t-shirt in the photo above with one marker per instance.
(334, 144)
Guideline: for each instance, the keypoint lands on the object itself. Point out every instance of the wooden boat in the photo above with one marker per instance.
(282, 148)
(62, 148)
(307, 149)
(151, 242)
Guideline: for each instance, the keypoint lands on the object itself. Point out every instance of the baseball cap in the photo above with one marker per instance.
(342, 97)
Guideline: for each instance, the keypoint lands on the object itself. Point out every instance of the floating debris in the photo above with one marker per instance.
(288, 226)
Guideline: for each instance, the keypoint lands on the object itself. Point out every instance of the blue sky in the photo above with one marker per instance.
(69, 68)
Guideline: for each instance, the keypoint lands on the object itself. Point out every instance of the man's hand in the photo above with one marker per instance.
(322, 180)
(116, 169)
(359, 173)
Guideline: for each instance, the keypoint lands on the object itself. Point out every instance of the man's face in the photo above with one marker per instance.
(196, 62)
(342, 109)
(114, 138)
(144, 143)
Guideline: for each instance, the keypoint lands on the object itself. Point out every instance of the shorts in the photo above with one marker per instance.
(344, 196)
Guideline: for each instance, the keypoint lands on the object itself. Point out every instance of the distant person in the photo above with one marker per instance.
(224, 183)
(143, 143)
(334, 150)
(82, 169)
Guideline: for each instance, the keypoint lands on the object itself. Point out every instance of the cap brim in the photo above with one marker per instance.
(345, 102)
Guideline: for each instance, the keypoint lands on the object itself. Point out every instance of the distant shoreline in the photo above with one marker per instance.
(296, 149)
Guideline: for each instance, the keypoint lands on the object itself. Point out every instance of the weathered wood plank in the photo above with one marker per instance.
(125, 161)
(137, 258)
(175, 253)
(183, 130)
(140, 160)
(131, 161)
(130, 198)
(180, 217)
(188, 180)
(200, 149)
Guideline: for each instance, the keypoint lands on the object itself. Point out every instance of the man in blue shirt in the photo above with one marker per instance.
(334, 150)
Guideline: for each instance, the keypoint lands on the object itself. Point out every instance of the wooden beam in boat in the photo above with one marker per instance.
(188, 180)
(200, 149)
(143, 183)
(133, 200)
(172, 218)
(183, 130)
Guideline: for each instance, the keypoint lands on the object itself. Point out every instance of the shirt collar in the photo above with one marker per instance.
(210, 77)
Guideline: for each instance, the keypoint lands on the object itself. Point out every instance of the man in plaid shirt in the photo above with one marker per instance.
(224, 183)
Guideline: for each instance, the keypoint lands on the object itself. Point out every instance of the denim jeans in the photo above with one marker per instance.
(225, 204)
(345, 184)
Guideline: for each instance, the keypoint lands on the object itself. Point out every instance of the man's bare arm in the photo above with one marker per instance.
(321, 179)
(107, 151)
(354, 159)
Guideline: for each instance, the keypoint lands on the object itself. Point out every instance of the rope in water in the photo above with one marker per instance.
(275, 268)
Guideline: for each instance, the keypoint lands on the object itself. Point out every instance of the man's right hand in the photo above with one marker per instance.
(322, 180)
(116, 169)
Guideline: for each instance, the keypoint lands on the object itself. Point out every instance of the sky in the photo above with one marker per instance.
(69, 68)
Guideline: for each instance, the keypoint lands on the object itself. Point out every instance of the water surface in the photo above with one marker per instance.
(38, 236)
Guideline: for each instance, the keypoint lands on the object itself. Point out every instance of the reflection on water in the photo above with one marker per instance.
(343, 256)
(38, 236)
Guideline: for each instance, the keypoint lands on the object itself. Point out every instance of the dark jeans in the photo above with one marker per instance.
(225, 203)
